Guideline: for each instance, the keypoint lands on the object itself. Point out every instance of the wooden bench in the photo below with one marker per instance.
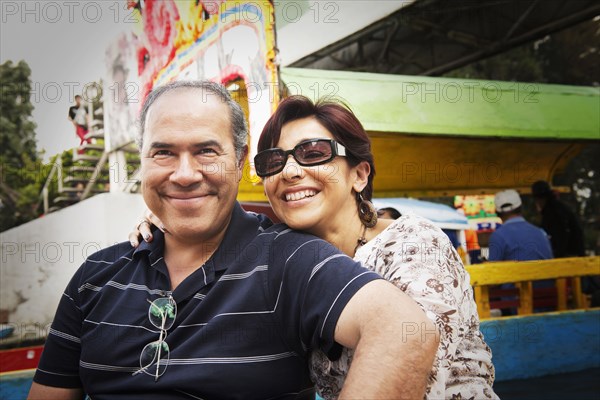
(566, 271)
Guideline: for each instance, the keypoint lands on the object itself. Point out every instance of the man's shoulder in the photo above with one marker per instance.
(102, 265)
(279, 233)
(291, 244)
(112, 254)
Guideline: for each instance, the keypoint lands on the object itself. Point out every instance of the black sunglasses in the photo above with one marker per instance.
(306, 153)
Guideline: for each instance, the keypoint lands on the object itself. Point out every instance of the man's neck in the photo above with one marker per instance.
(183, 257)
(510, 217)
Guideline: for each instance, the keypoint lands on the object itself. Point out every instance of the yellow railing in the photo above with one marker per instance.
(522, 273)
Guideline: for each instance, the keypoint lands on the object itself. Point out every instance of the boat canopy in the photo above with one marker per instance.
(445, 217)
(444, 136)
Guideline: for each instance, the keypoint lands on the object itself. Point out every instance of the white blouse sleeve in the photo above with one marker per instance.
(419, 258)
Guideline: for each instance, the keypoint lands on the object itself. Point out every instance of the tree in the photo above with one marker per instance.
(20, 165)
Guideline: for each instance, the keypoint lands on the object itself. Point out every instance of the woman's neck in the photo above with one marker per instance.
(346, 237)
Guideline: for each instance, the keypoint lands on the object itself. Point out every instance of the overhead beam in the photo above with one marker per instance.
(499, 47)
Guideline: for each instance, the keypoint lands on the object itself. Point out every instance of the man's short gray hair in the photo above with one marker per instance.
(239, 126)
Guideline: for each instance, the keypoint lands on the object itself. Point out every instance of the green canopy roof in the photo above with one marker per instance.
(449, 106)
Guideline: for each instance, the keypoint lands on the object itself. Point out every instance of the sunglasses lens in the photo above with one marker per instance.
(162, 312)
(269, 162)
(313, 152)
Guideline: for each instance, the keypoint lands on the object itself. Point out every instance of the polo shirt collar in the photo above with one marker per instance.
(514, 220)
(242, 229)
(155, 247)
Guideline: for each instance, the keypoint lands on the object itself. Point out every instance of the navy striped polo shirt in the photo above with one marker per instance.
(244, 325)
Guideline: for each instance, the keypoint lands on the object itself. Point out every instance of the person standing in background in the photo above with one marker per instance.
(79, 117)
(566, 234)
(559, 222)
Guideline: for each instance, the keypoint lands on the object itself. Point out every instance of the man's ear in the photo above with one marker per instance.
(241, 161)
(243, 156)
(361, 176)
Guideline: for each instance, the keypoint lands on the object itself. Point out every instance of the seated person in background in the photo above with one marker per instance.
(219, 306)
(388, 213)
(473, 247)
(516, 239)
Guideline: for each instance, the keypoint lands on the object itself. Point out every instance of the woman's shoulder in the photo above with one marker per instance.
(411, 226)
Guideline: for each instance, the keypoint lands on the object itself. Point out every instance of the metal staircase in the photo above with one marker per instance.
(85, 171)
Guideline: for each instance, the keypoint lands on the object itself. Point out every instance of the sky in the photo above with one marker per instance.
(64, 43)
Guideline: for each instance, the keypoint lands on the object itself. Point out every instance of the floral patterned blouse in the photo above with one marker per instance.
(418, 257)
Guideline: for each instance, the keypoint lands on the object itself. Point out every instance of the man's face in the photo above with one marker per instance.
(190, 174)
(78, 101)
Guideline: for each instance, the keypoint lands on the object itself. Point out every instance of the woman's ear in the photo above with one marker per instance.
(361, 176)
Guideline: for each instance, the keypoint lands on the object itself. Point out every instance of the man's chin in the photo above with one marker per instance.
(189, 227)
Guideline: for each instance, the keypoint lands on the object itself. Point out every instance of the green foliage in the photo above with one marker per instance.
(20, 166)
(17, 129)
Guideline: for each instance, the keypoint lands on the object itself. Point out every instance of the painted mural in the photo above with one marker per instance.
(231, 42)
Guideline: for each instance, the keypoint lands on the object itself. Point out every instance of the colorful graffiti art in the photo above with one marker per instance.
(224, 41)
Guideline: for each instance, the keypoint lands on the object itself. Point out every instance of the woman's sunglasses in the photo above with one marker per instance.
(309, 152)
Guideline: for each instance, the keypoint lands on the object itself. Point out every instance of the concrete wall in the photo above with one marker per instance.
(39, 257)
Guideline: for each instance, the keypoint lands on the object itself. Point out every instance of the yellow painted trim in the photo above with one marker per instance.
(494, 273)
(17, 372)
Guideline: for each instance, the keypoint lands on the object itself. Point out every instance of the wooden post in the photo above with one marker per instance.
(578, 298)
(561, 294)
(525, 297)
(482, 298)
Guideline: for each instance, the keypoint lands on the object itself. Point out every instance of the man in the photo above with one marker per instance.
(78, 116)
(219, 306)
(566, 235)
(388, 213)
(516, 239)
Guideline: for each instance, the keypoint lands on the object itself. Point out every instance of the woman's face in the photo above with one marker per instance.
(318, 198)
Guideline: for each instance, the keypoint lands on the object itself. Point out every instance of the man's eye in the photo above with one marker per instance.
(207, 152)
(161, 154)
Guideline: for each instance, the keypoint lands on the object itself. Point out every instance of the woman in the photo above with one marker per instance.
(324, 188)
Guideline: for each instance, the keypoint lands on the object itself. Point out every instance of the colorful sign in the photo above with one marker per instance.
(480, 210)
(231, 42)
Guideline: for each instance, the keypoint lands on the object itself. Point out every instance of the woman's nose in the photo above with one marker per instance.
(292, 170)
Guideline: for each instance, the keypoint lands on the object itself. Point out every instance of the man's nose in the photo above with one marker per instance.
(187, 172)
